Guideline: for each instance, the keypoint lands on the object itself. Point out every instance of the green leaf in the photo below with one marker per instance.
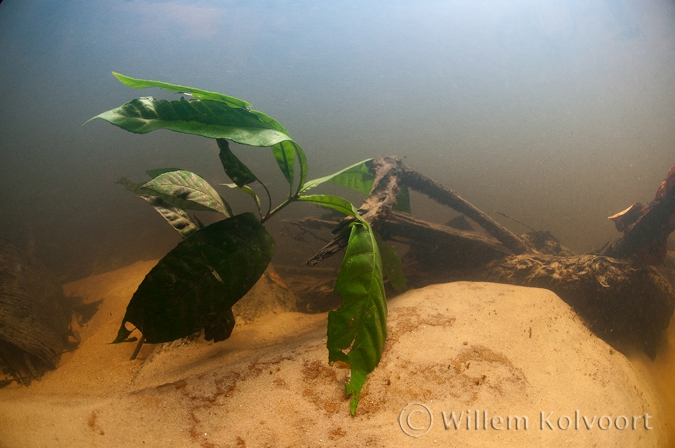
(358, 177)
(196, 284)
(285, 153)
(234, 168)
(358, 329)
(212, 119)
(392, 267)
(330, 201)
(186, 190)
(197, 93)
(302, 163)
(246, 189)
(403, 200)
(175, 216)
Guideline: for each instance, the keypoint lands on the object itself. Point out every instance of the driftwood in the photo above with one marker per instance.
(619, 296)
(34, 316)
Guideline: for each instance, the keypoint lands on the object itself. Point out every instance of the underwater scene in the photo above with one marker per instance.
(295, 223)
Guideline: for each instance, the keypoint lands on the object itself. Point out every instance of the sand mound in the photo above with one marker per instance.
(492, 365)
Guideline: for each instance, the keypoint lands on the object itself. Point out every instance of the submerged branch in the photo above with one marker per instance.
(390, 175)
(619, 297)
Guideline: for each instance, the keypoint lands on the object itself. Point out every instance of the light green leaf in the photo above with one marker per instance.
(186, 190)
(196, 284)
(212, 119)
(196, 93)
(358, 177)
(358, 329)
(330, 201)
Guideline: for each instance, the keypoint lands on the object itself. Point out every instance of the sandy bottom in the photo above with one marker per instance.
(466, 364)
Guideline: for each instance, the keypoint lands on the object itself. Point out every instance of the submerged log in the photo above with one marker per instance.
(619, 297)
(35, 316)
(621, 302)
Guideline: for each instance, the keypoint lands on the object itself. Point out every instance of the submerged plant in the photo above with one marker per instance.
(196, 284)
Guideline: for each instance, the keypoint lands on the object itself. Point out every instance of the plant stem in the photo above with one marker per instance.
(269, 202)
(278, 208)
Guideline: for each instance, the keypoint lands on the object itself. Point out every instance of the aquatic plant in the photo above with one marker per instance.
(196, 284)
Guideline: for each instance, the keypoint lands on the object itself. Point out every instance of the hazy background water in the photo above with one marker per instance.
(557, 113)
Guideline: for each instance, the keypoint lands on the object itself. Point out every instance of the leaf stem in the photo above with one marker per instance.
(269, 202)
(278, 208)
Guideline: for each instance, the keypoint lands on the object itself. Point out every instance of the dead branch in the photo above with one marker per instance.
(390, 174)
(618, 296)
(618, 300)
(444, 196)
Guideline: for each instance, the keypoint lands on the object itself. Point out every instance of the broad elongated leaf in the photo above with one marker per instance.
(196, 284)
(334, 202)
(357, 177)
(197, 93)
(186, 190)
(392, 267)
(357, 330)
(212, 119)
(403, 200)
(234, 168)
(285, 154)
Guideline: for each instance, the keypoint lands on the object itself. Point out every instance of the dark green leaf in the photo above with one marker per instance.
(197, 93)
(284, 154)
(392, 267)
(186, 190)
(302, 163)
(358, 177)
(234, 168)
(196, 284)
(212, 119)
(357, 330)
(403, 200)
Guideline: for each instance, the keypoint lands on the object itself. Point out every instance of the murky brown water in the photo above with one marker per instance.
(555, 113)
